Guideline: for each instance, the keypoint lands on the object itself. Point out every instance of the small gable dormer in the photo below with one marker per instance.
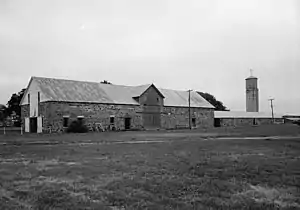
(150, 96)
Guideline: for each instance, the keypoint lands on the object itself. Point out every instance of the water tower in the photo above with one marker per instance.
(252, 97)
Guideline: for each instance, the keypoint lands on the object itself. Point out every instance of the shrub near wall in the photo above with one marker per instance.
(77, 126)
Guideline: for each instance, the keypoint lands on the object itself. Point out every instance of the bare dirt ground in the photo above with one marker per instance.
(178, 170)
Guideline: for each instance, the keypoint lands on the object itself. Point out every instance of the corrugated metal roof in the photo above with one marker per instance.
(181, 98)
(93, 92)
(293, 119)
(241, 114)
(291, 115)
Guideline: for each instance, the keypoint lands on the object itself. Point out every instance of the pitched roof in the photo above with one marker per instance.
(93, 92)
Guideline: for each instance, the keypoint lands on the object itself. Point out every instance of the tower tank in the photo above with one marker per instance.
(252, 96)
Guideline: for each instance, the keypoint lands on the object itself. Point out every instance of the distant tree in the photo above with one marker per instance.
(105, 82)
(13, 105)
(213, 101)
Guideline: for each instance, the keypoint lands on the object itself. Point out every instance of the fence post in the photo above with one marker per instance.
(21, 130)
(4, 130)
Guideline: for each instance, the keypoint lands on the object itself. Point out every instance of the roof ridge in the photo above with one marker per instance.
(73, 80)
(62, 79)
(192, 91)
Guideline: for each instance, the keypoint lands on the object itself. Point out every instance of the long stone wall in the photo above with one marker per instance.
(93, 114)
(171, 117)
(236, 122)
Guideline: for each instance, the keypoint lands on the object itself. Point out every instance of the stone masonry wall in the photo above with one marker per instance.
(178, 117)
(237, 122)
(171, 117)
(93, 113)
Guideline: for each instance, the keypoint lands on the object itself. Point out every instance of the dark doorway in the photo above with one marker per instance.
(217, 122)
(112, 120)
(193, 122)
(66, 122)
(254, 121)
(33, 125)
(127, 123)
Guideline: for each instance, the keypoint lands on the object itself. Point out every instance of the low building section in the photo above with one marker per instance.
(292, 118)
(235, 119)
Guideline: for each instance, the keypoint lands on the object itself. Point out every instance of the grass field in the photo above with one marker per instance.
(184, 171)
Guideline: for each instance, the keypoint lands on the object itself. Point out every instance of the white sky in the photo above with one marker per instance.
(206, 45)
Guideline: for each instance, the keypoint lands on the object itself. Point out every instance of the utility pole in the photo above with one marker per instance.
(190, 110)
(271, 100)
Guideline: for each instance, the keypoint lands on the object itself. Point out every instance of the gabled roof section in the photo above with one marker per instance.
(26, 91)
(93, 92)
(152, 85)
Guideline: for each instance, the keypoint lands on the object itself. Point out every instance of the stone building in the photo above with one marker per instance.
(289, 118)
(50, 105)
(237, 118)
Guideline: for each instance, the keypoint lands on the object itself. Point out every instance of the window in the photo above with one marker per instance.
(28, 98)
(39, 97)
(80, 118)
(112, 120)
(66, 122)
(157, 99)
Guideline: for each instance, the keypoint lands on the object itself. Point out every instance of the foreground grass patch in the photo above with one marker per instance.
(229, 174)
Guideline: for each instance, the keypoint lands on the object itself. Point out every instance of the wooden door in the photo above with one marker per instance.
(33, 124)
(127, 123)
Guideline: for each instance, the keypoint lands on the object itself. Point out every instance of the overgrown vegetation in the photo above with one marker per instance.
(194, 174)
(219, 106)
